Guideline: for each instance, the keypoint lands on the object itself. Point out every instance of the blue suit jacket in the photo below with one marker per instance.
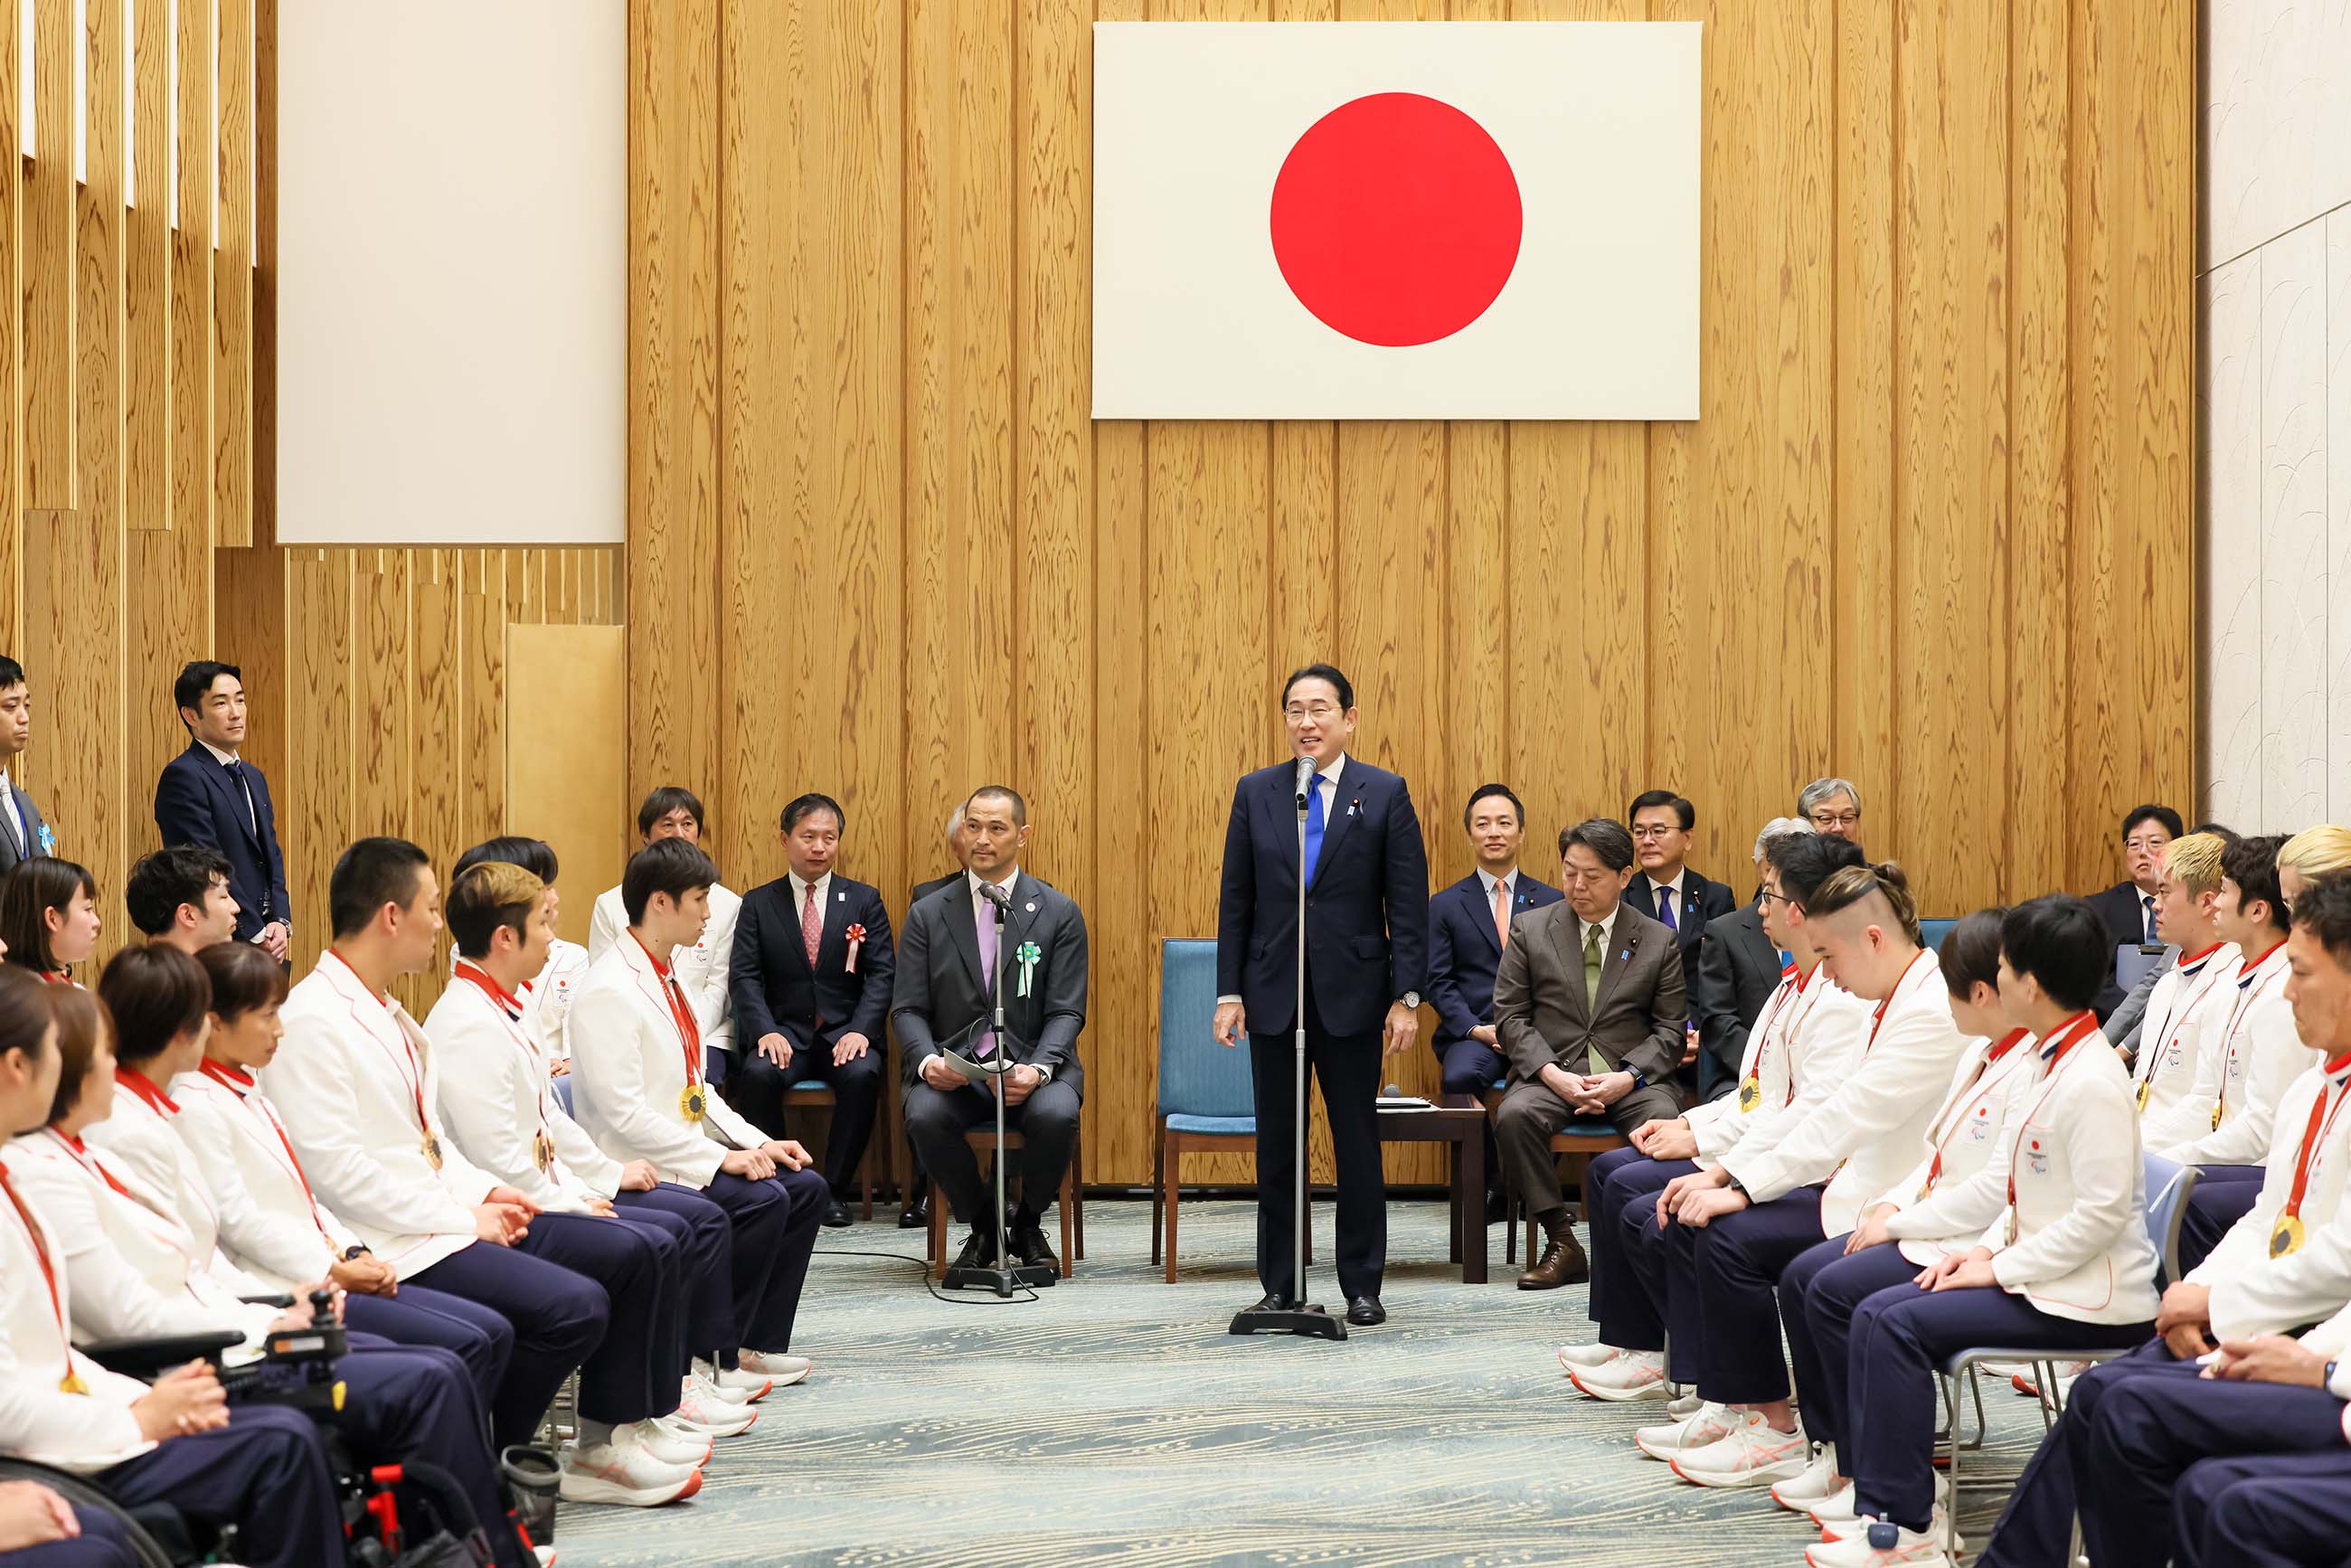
(196, 803)
(1366, 914)
(768, 974)
(1464, 950)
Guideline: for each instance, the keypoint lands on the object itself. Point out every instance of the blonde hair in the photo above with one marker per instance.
(2317, 852)
(1844, 888)
(489, 896)
(2195, 862)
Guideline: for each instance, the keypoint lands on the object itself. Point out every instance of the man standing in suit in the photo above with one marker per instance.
(209, 795)
(1734, 973)
(2128, 908)
(810, 979)
(1591, 1007)
(23, 834)
(1366, 874)
(1468, 927)
(1003, 934)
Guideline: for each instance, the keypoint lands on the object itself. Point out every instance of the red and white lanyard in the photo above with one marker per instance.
(509, 1010)
(413, 1075)
(71, 1383)
(241, 1085)
(689, 1032)
(1794, 998)
(2323, 1108)
(1973, 1097)
(2206, 979)
(1878, 1019)
(2251, 986)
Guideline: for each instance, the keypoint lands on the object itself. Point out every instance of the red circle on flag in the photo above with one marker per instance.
(1397, 219)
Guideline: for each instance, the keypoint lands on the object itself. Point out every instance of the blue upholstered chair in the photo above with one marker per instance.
(563, 1094)
(1207, 1101)
(1932, 932)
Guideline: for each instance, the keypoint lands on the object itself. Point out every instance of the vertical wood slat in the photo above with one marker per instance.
(98, 275)
(46, 266)
(147, 276)
(12, 411)
(233, 282)
(191, 359)
(73, 612)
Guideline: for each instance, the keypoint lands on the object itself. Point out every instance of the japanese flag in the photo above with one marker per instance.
(1439, 220)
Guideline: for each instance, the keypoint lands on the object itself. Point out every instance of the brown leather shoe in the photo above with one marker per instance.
(1564, 1263)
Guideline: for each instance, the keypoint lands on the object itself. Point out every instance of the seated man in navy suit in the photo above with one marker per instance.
(810, 979)
(1468, 926)
(1667, 891)
(209, 795)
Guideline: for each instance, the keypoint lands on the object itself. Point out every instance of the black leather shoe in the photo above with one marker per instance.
(1365, 1310)
(915, 1215)
(1029, 1244)
(978, 1251)
(835, 1214)
(1276, 1304)
(1497, 1209)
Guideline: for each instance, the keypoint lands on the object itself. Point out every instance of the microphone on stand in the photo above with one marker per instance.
(1305, 779)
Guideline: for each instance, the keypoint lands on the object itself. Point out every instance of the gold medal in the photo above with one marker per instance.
(1750, 1092)
(2288, 1236)
(431, 1148)
(542, 1152)
(2146, 1086)
(2216, 1115)
(690, 1102)
(71, 1383)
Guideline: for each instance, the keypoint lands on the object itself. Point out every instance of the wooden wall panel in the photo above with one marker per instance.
(1933, 263)
(47, 295)
(147, 276)
(12, 411)
(233, 280)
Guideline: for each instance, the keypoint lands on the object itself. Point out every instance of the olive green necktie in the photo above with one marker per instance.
(1598, 1063)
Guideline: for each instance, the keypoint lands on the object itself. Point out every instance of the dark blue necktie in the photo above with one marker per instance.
(1313, 827)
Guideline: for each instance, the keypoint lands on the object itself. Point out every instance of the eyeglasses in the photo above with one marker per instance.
(1826, 820)
(1321, 712)
(1766, 896)
(1653, 832)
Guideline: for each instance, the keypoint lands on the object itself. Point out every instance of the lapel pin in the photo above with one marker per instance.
(1032, 906)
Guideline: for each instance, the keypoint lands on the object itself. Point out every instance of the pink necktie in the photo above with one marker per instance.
(1503, 912)
(987, 974)
(811, 926)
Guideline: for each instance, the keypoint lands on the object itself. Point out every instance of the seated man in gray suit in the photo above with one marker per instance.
(956, 940)
(1590, 1005)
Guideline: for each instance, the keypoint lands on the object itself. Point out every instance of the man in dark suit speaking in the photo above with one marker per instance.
(811, 980)
(1366, 947)
(210, 795)
(951, 949)
(1592, 1009)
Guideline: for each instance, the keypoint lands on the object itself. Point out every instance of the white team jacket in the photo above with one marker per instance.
(628, 1070)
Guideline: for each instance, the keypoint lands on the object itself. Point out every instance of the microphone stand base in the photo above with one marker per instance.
(1003, 1282)
(1309, 1322)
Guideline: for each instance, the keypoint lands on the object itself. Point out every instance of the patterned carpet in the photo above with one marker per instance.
(1114, 1420)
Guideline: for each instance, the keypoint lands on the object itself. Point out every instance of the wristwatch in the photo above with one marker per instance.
(351, 1252)
(1410, 1000)
(1044, 1073)
(1640, 1079)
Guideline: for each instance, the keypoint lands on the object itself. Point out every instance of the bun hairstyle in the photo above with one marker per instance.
(1845, 888)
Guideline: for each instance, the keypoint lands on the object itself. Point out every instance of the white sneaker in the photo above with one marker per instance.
(1572, 1356)
(1854, 1529)
(738, 1387)
(1634, 1374)
(781, 1369)
(546, 1555)
(1752, 1455)
(1711, 1424)
(1815, 1487)
(1685, 1404)
(1910, 1549)
(671, 1447)
(629, 1477)
(701, 1409)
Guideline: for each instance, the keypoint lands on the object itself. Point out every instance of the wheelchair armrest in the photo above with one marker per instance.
(282, 1302)
(148, 1358)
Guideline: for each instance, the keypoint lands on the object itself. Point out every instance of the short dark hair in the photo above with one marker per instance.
(1607, 839)
(26, 1013)
(1331, 673)
(536, 856)
(1970, 951)
(160, 883)
(157, 994)
(808, 805)
(1806, 860)
(244, 978)
(665, 865)
(1487, 792)
(2163, 817)
(2218, 830)
(1004, 792)
(2251, 864)
(2323, 910)
(666, 800)
(82, 1020)
(196, 678)
(11, 674)
(2061, 941)
(31, 889)
(1650, 800)
(369, 874)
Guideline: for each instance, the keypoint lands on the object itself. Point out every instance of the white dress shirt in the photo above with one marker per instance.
(13, 814)
(251, 816)
(2249, 1052)
(701, 968)
(38, 1419)
(1665, 894)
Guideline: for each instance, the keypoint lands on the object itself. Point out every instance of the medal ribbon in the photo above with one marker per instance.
(510, 1008)
(415, 1074)
(162, 1104)
(72, 1382)
(1980, 1082)
(2062, 1041)
(2178, 1020)
(241, 1085)
(1900, 980)
(1792, 999)
(689, 1032)
(2313, 1131)
(2248, 991)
